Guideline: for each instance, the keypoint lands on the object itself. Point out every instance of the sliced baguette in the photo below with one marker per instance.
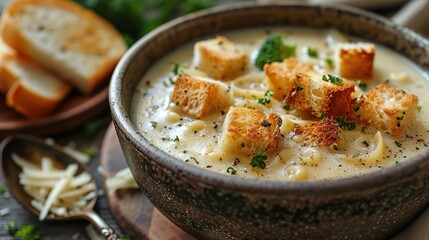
(5, 53)
(35, 92)
(62, 36)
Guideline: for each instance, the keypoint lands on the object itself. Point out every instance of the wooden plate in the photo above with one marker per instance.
(132, 210)
(73, 111)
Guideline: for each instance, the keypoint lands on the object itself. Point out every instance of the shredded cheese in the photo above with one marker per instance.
(55, 191)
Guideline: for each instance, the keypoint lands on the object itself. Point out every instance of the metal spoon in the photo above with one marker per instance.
(32, 149)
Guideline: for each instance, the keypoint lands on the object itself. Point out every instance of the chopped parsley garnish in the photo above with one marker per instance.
(126, 237)
(332, 79)
(361, 85)
(195, 160)
(419, 108)
(153, 124)
(298, 88)
(259, 160)
(176, 69)
(349, 125)
(286, 107)
(2, 189)
(329, 62)
(398, 144)
(322, 116)
(266, 99)
(176, 139)
(312, 52)
(231, 171)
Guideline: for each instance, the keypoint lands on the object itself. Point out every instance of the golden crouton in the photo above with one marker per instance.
(220, 58)
(389, 109)
(316, 92)
(248, 131)
(322, 133)
(199, 96)
(355, 60)
(281, 75)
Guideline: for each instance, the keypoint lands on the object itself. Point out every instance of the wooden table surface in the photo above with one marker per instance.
(72, 229)
(64, 230)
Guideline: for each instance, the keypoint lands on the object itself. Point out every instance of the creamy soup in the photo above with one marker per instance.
(197, 140)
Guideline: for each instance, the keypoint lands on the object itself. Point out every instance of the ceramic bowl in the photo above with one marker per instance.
(209, 205)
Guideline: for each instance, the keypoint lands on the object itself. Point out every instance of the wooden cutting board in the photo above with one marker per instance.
(132, 210)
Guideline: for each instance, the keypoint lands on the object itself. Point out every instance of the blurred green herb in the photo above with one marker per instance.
(329, 62)
(361, 85)
(91, 127)
(28, 232)
(2, 188)
(312, 52)
(134, 18)
(176, 69)
(90, 152)
(11, 227)
(286, 107)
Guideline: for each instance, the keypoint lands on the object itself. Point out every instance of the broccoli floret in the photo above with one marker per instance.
(273, 50)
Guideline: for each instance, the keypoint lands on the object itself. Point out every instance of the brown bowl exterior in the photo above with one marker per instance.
(214, 206)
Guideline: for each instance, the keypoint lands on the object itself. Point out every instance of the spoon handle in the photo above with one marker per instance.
(104, 229)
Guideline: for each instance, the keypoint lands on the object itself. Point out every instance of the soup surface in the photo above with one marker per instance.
(197, 141)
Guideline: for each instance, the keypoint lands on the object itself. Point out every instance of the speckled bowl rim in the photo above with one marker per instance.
(380, 177)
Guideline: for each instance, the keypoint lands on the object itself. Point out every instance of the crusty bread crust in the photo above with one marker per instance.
(390, 109)
(282, 75)
(321, 133)
(200, 97)
(6, 79)
(309, 92)
(248, 131)
(297, 84)
(220, 58)
(23, 96)
(16, 37)
(29, 103)
(355, 60)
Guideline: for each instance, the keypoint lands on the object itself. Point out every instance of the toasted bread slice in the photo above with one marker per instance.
(6, 53)
(389, 109)
(64, 37)
(199, 96)
(35, 92)
(355, 60)
(220, 58)
(248, 131)
(282, 75)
